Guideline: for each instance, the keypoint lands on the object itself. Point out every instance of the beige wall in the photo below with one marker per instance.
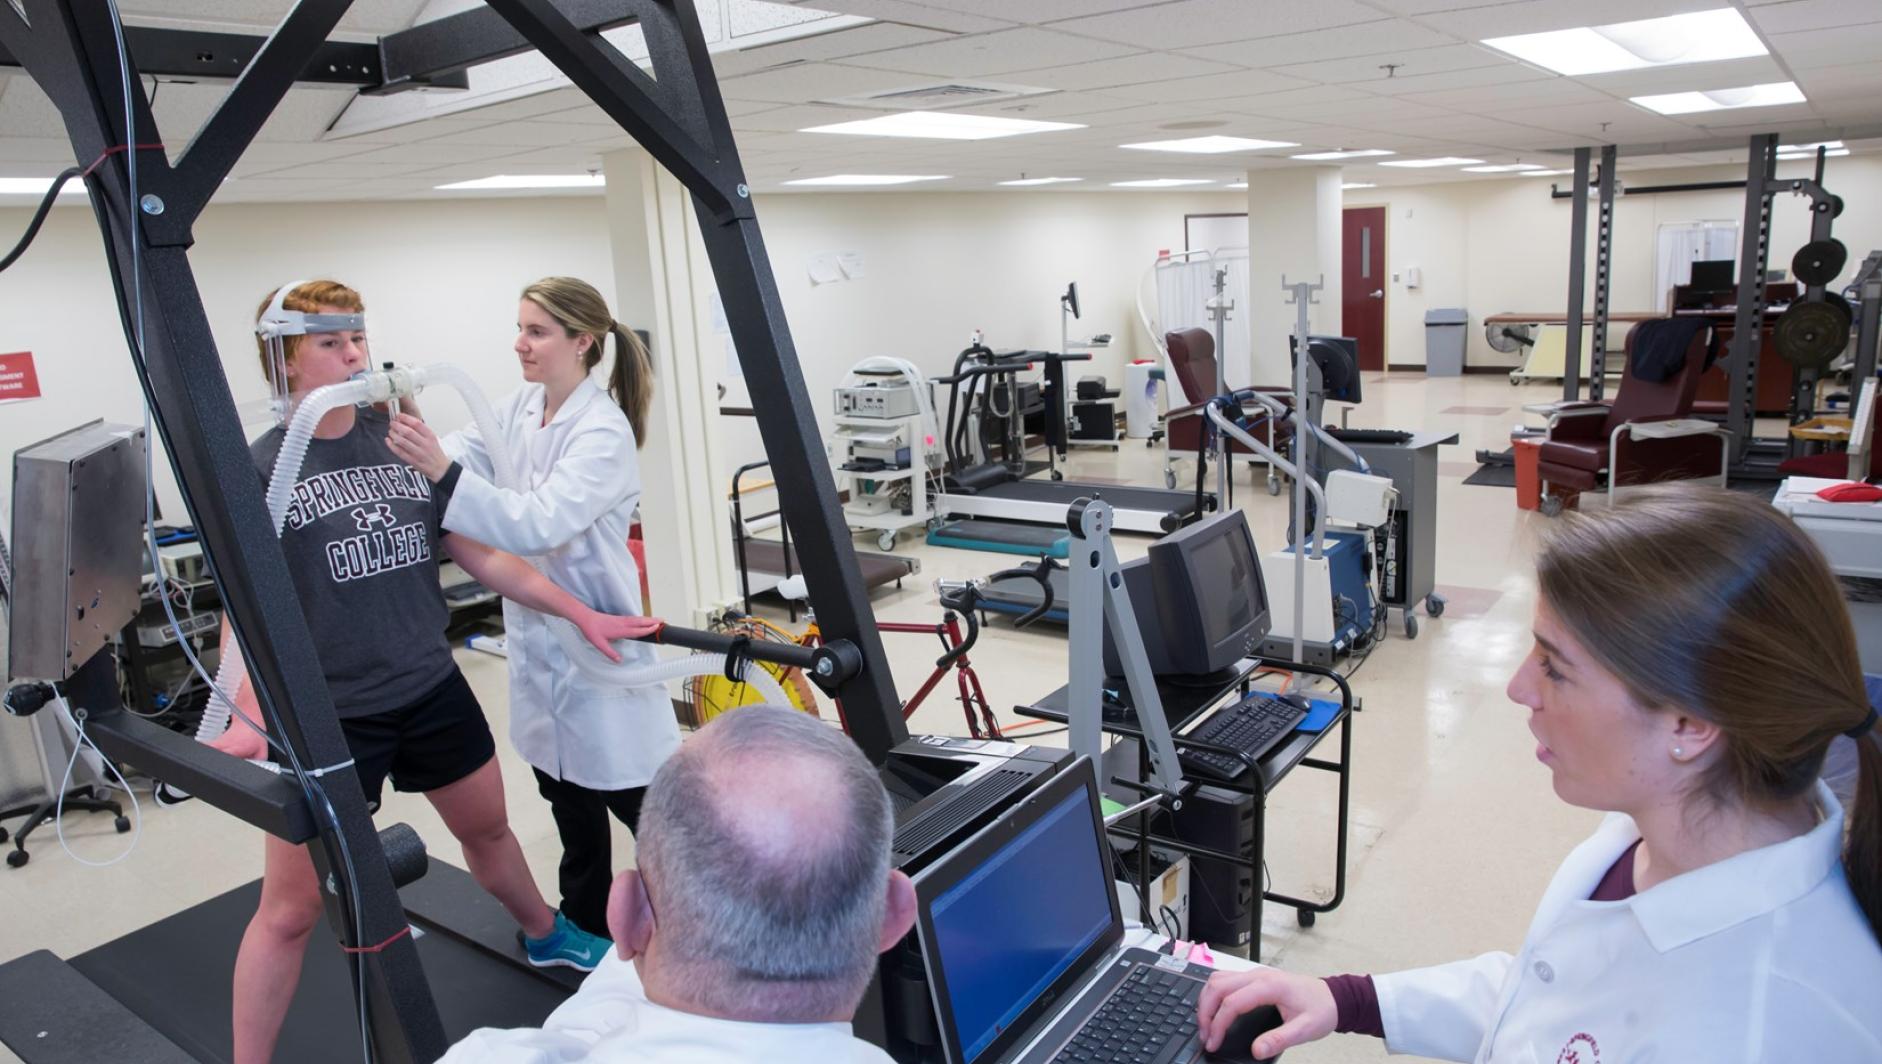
(1503, 245)
(937, 266)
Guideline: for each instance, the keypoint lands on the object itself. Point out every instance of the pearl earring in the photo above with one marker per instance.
(1678, 752)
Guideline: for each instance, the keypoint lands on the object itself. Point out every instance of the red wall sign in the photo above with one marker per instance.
(18, 380)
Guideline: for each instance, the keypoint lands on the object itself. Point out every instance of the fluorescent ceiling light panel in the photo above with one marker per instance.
(1697, 37)
(1359, 184)
(1794, 148)
(868, 179)
(1238, 184)
(531, 181)
(942, 125)
(37, 186)
(1161, 182)
(1506, 168)
(1041, 180)
(1421, 164)
(1210, 145)
(1362, 152)
(1787, 156)
(1686, 103)
(1545, 173)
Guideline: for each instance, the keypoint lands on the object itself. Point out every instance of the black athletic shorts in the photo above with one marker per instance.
(435, 741)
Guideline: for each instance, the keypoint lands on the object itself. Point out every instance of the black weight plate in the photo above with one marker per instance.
(1811, 335)
(1836, 206)
(1820, 261)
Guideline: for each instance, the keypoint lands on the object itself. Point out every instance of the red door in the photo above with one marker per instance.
(1362, 282)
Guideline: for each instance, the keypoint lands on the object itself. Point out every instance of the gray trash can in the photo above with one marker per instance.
(1444, 341)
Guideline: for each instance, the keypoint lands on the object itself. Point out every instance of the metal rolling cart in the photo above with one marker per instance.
(1186, 706)
(1406, 552)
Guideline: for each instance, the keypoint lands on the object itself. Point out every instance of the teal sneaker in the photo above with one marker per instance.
(567, 946)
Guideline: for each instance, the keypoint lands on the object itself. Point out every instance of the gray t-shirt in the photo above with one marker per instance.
(361, 539)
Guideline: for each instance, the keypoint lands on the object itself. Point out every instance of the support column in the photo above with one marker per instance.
(661, 276)
(1293, 230)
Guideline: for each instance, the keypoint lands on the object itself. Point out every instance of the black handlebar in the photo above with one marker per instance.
(966, 601)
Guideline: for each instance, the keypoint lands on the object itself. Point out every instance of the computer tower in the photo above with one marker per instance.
(1221, 895)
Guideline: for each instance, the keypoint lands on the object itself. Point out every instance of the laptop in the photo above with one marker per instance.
(1021, 938)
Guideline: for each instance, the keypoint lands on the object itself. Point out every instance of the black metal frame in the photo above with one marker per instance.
(1604, 184)
(69, 49)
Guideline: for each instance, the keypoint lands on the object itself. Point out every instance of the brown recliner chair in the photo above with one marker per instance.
(1192, 359)
(1646, 435)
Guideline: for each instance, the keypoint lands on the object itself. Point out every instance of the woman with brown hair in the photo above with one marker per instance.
(1693, 661)
(362, 539)
(593, 743)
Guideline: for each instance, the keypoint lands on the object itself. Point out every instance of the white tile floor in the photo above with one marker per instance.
(1455, 828)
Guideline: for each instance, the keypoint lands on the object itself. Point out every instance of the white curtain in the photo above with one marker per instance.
(1184, 287)
(1681, 245)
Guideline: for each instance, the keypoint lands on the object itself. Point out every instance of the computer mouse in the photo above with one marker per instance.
(1238, 1042)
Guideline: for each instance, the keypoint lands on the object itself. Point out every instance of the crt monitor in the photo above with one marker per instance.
(1338, 359)
(1713, 275)
(1200, 601)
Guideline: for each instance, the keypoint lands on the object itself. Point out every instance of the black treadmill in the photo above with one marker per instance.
(998, 490)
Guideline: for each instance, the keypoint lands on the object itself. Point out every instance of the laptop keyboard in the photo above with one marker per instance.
(1146, 1020)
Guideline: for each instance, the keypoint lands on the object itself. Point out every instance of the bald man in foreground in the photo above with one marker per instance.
(751, 928)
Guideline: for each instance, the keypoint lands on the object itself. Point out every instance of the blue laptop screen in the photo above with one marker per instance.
(1004, 933)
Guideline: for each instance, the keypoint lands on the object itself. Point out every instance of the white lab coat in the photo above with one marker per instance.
(1763, 957)
(581, 487)
(610, 1021)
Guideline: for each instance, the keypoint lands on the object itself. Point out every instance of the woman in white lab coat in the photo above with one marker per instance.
(1693, 661)
(594, 746)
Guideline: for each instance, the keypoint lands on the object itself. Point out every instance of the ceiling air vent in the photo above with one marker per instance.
(938, 95)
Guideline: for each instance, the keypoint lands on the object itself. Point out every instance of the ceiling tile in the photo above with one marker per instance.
(1126, 70)
(1368, 38)
(857, 40)
(26, 112)
(1240, 84)
(1034, 11)
(1419, 63)
(433, 154)
(1797, 15)
(1833, 47)
(1484, 78)
(55, 150)
(1491, 100)
(1198, 23)
(1538, 16)
(1423, 7)
(924, 15)
(812, 81)
(1069, 106)
(1283, 104)
(527, 134)
(988, 54)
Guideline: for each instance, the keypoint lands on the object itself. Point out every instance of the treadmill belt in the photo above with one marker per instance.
(1120, 496)
(767, 556)
(1003, 537)
(175, 974)
(1019, 595)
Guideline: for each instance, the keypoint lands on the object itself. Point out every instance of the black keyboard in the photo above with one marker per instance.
(1369, 435)
(1150, 1017)
(1255, 725)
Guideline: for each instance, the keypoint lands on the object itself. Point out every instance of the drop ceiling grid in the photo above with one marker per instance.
(1307, 72)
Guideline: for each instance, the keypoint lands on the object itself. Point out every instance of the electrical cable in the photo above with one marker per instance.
(39, 216)
(65, 783)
